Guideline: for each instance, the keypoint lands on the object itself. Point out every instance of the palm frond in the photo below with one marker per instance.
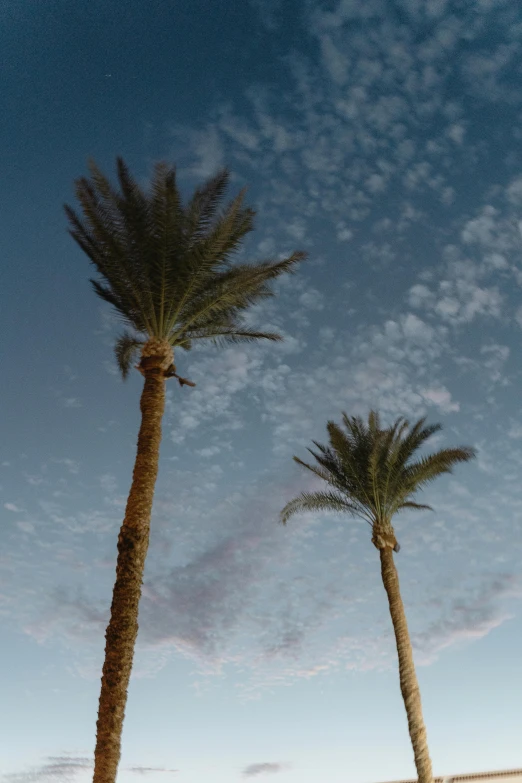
(317, 501)
(102, 236)
(353, 455)
(204, 203)
(233, 336)
(428, 468)
(418, 435)
(234, 291)
(415, 506)
(126, 350)
(207, 254)
(322, 472)
(165, 219)
(166, 268)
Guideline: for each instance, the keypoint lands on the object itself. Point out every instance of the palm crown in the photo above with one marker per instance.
(166, 267)
(370, 470)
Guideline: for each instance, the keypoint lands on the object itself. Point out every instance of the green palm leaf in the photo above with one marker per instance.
(126, 350)
(316, 501)
(167, 268)
(371, 471)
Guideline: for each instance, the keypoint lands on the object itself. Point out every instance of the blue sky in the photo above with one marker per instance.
(384, 138)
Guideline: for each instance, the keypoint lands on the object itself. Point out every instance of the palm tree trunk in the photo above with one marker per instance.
(408, 678)
(133, 542)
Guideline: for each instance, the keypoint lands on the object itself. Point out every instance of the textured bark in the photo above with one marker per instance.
(408, 678)
(133, 542)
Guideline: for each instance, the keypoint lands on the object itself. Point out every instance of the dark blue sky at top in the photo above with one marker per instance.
(99, 79)
(169, 62)
(59, 106)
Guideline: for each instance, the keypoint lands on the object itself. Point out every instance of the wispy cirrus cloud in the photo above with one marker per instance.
(148, 770)
(264, 768)
(64, 768)
(69, 768)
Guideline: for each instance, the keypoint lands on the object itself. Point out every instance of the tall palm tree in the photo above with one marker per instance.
(166, 269)
(371, 474)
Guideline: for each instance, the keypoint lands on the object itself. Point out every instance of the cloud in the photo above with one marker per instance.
(515, 430)
(207, 150)
(384, 365)
(55, 768)
(467, 620)
(12, 507)
(26, 527)
(441, 398)
(494, 358)
(71, 402)
(269, 12)
(72, 465)
(248, 595)
(264, 768)
(67, 768)
(352, 126)
(335, 61)
(147, 770)
(420, 295)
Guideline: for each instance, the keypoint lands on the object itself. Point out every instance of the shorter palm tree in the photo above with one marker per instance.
(371, 474)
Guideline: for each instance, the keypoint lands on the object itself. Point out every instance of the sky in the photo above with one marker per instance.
(384, 138)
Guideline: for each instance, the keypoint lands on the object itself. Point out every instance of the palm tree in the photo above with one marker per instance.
(166, 269)
(371, 475)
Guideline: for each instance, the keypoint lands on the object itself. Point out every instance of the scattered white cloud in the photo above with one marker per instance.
(312, 299)
(207, 149)
(71, 402)
(72, 465)
(456, 133)
(518, 316)
(344, 234)
(335, 61)
(13, 507)
(366, 112)
(420, 295)
(209, 451)
(26, 527)
(494, 359)
(515, 430)
(440, 397)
